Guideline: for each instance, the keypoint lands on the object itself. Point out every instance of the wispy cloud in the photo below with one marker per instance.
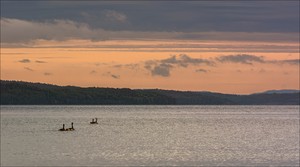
(109, 74)
(24, 61)
(100, 64)
(241, 58)
(290, 61)
(28, 69)
(93, 72)
(47, 73)
(39, 61)
(115, 76)
(201, 71)
(131, 66)
(250, 59)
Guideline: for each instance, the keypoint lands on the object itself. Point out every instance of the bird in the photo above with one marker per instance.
(70, 129)
(63, 129)
(94, 122)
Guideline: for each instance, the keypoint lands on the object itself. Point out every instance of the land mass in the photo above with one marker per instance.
(27, 93)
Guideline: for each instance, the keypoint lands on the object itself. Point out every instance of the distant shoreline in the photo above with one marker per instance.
(26, 93)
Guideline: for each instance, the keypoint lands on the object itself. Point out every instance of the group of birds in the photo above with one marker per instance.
(72, 128)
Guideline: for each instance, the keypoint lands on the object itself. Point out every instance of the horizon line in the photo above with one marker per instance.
(149, 88)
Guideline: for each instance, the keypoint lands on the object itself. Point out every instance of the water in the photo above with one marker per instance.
(150, 135)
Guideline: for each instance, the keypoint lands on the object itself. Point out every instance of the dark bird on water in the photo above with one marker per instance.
(68, 129)
(62, 129)
(94, 122)
(72, 128)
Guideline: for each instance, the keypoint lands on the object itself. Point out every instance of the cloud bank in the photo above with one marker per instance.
(24, 61)
(241, 58)
(27, 32)
(164, 66)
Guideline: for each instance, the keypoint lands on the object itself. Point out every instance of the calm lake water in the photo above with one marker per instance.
(150, 135)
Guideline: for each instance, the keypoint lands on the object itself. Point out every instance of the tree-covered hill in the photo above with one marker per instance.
(26, 93)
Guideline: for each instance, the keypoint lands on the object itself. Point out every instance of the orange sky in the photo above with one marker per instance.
(122, 64)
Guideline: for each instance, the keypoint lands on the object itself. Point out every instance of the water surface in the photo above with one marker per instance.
(150, 135)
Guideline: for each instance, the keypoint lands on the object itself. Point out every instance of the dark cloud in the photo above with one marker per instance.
(24, 61)
(28, 69)
(287, 62)
(187, 16)
(250, 59)
(186, 60)
(241, 58)
(38, 61)
(19, 33)
(104, 20)
(163, 67)
(161, 70)
(201, 71)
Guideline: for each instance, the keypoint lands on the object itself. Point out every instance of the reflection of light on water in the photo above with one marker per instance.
(150, 135)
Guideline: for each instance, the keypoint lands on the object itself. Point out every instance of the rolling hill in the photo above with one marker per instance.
(26, 93)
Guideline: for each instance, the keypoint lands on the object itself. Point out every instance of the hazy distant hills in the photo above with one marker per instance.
(281, 91)
(21, 93)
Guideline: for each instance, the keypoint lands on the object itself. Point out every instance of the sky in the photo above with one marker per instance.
(238, 47)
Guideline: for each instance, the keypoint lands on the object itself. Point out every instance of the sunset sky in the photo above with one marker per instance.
(238, 47)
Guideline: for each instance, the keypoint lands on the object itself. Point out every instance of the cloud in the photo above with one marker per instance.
(201, 71)
(115, 16)
(25, 33)
(29, 69)
(290, 62)
(24, 61)
(241, 58)
(109, 74)
(38, 61)
(164, 66)
(93, 72)
(15, 30)
(47, 73)
(118, 66)
(250, 59)
(229, 16)
(128, 66)
(161, 70)
(115, 76)
(132, 66)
